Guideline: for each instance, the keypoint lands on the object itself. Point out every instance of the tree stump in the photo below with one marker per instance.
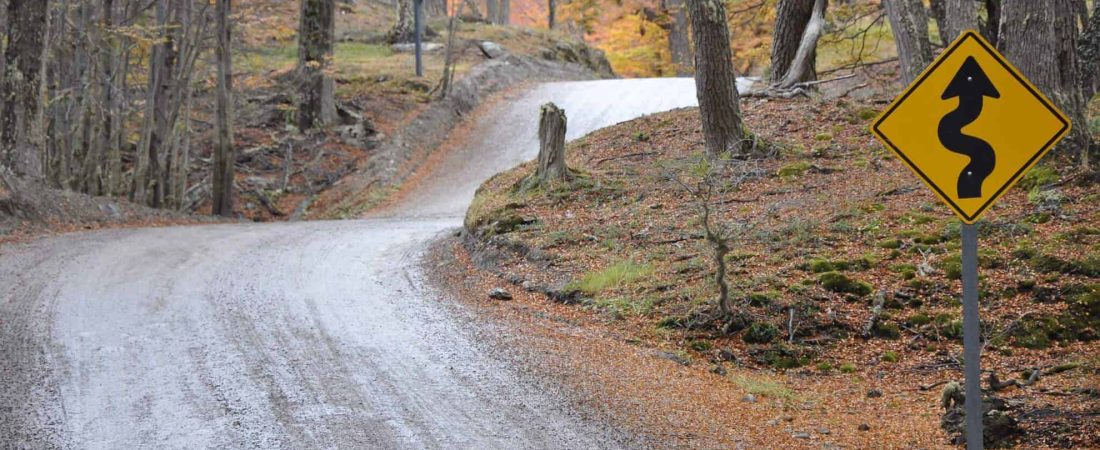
(552, 166)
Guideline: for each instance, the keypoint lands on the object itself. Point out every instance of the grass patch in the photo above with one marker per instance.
(616, 275)
(763, 387)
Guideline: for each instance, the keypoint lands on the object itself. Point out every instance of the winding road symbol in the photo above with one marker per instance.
(971, 86)
(972, 102)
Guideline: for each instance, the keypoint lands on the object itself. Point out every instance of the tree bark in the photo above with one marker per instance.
(791, 17)
(802, 66)
(1040, 39)
(505, 16)
(551, 13)
(21, 102)
(492, 10)
(679, 45)
(403, 28)
(992, 22)
(552, 125)
(909, 23)
(223, 149)
(317, 24)
(1088, 55)
(938, 10)
(960, 15)
(715, 80)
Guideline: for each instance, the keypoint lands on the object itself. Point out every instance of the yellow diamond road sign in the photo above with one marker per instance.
(970, 126)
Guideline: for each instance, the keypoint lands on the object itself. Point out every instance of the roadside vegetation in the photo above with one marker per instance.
(841, 263)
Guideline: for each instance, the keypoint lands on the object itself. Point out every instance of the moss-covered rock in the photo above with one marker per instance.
(838, 282)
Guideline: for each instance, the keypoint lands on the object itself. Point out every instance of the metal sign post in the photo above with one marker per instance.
(418, 7)
(972, 348)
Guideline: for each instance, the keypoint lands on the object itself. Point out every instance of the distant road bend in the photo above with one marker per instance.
(285, 335)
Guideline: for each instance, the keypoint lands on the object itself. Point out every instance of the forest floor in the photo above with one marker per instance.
(827, 222)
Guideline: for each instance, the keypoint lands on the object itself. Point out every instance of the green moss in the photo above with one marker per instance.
(837, 282)
(794, 169)
(821, 266)
(906, 271)
(760, 333)
(919, 319)
(824, 137)
(866, 113)
(782, 357)
(847, 367)
(890, 357)
(890, 243)
(1089, 267)
(1039, 176)
(759, 299)
(824, 367)
(1024, 252)
(699, 345)
(886, 330)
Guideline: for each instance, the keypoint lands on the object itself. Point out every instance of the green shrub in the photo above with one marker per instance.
(824, 367)
(847, 367)
(886, 330)
(890, 357)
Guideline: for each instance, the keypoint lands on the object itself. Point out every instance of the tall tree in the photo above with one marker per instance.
(909, 23)
(791, 17)
(316, 30)
(679, 45)
(960, 15)
(223, 149)
(715, 80)
(802, 66)
(21, 103)
(1040, 38)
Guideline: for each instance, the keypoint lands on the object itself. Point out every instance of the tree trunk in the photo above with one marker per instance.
(552, 13)
(492, 10)
(960, 15)
(505, 15)
(679, 45)
(1040, 38)
(992, 22)
(317, 24)
(21, 102)
(1088, 55)
(938, 10)
(909, 22)
(791, 17)
(403, 28)
(715, 80)
(223, 149)
(552, 123)
(802, 66)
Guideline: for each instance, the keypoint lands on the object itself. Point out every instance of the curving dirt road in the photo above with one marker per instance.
(292, 335)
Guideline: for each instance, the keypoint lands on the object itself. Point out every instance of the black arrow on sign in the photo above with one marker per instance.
(970, 85)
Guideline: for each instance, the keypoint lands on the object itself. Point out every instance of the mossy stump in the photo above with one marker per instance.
(552, 125)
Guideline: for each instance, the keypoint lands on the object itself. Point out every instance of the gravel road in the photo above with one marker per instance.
(289, 335)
